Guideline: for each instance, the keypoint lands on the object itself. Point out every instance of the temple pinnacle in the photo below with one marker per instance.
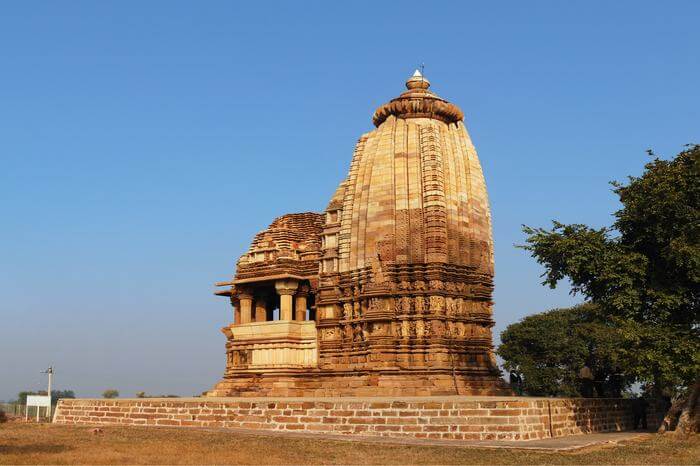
(417, 81)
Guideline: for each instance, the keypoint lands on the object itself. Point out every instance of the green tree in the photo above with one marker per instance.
(110, 393)
(549, 349)
(643, 272)
(22, 396)
(57, 394)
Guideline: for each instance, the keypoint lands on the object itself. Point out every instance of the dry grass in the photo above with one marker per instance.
(56, 444)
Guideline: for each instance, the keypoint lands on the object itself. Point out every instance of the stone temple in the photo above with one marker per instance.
(371, 315)
(386, 293)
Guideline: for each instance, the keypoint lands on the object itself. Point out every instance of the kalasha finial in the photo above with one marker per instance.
(417, 81)
(418, 102)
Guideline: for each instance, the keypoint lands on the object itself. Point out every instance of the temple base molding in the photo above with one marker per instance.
(354, 383)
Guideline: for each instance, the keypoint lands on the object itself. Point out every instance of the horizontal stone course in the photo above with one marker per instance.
(460, 418)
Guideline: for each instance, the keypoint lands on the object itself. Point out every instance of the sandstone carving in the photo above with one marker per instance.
(387, 292)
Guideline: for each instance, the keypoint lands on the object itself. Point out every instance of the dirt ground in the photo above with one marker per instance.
(31, 443)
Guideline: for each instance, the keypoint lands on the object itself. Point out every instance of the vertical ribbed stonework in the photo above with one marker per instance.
(348, 201)
(433, 195)
(401, 205)
(361, 202)
(377, 225)
(481, 241)
(463, 212)
(452, 190)
(416, 225)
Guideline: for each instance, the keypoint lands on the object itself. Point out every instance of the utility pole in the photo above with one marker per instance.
(49, 371)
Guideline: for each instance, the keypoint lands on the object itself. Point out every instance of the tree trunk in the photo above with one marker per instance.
(683, 418)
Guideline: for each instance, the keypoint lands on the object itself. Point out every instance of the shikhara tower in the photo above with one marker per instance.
(389, 291)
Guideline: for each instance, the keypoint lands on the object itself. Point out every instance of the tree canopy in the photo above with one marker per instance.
(110, 393)
(642, 272)
(549, 349)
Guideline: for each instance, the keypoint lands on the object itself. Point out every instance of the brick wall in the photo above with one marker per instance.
(459, 418)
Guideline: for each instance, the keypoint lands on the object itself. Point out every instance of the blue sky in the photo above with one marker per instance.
(143, 144)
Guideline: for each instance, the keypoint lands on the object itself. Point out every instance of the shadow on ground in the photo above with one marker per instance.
(34, 449)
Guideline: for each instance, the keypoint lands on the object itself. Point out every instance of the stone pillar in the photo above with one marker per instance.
(260, 309)
(245, 298)
(286, 290)
(236, 310)
(300, 304)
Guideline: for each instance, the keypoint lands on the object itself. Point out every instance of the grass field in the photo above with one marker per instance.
(22, 443)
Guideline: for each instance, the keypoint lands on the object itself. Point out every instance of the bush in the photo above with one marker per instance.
(110, 393)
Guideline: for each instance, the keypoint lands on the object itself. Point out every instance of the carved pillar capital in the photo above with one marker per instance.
(286, 287)
(244, 292)
(303, 290)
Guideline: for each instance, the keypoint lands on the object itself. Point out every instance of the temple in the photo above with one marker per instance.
(386, 293)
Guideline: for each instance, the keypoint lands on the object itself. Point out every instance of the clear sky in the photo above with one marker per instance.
(143, 144)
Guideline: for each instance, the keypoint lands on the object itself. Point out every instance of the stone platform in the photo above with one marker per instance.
(448, 418)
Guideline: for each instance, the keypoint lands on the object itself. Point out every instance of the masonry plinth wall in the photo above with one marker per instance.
(455, 418)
